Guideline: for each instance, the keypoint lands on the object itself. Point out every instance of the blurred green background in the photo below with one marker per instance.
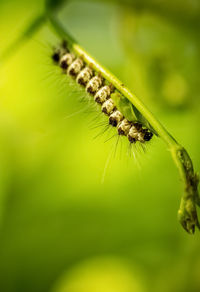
(61, 228)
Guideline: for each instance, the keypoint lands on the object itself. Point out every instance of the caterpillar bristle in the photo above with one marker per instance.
(100, 88)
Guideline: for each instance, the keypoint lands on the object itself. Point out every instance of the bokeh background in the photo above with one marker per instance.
(62, 227)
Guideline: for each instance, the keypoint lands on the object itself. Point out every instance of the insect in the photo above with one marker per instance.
(102, 92)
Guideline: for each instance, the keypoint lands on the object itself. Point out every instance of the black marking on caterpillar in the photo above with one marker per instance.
(98, 87)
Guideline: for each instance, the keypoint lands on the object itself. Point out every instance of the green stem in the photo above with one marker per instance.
(187, 213)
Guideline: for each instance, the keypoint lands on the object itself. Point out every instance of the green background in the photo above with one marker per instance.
(76, 215)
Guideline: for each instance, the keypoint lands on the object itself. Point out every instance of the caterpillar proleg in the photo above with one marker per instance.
(104, 94)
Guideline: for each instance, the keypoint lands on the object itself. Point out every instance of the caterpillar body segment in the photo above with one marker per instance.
(75, 67)
(98, 87)
(138, 133)
(108, 106)
(66, 60)
(115, 118)
(94, 84)
(84, 76)
(133, 134)
(102, 94)
(124, 127)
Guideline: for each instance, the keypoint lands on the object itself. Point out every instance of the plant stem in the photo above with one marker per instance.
(187, 213)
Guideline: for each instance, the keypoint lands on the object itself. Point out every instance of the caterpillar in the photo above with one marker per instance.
(102, 92)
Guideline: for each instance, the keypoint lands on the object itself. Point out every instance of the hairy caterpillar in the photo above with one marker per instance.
(104, 94)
